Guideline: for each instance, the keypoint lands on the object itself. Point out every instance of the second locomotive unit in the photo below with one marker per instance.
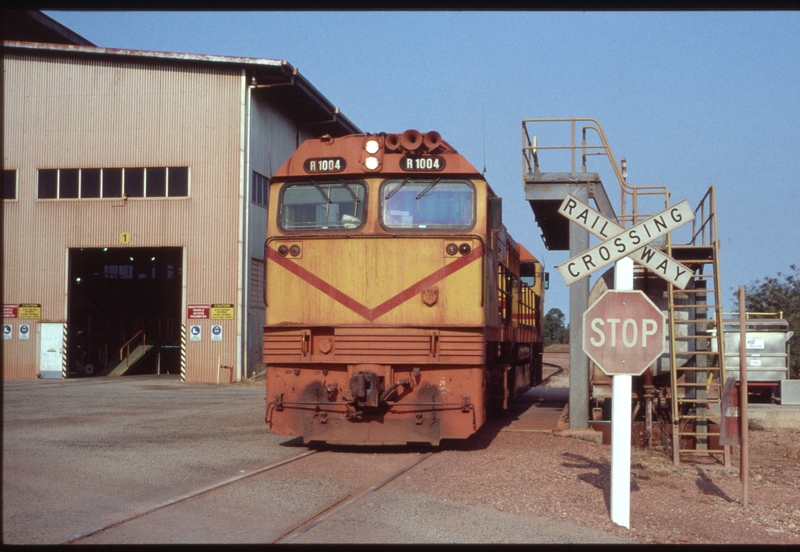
(399, 309)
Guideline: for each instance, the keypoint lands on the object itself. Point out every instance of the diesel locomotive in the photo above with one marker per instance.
(399, 309)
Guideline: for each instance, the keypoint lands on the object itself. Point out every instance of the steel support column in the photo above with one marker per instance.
(578, 303)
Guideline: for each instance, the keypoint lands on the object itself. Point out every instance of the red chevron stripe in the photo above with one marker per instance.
(389, 304)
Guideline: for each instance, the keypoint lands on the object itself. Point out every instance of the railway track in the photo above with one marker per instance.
(335, 509)
(558, 371)
(324, 456)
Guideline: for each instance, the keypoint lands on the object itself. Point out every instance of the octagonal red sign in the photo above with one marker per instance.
(623, 332)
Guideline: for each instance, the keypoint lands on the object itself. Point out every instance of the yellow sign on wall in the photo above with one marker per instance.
(222, 311)
(125, 238)
(30, 311)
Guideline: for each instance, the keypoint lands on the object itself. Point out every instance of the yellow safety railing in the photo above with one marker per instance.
(125, 350)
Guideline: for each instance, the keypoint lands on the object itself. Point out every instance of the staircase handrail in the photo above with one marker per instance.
(127, 346)
(707, 225)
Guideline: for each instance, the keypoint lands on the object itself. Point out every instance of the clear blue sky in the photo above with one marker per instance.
(690, 99)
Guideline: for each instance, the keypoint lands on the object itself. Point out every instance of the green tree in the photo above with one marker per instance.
(775, 294)
(554, 329)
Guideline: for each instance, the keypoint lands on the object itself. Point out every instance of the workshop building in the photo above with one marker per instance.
(134, 212)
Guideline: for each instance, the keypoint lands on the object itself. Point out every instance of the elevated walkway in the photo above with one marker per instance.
(546, 191)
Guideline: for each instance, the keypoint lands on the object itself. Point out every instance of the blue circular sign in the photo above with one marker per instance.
(23, 329)
(195, 330)
(216, 330)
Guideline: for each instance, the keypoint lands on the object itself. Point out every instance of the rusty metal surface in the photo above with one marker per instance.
(389, 157)
(358, 345)
(434, 404)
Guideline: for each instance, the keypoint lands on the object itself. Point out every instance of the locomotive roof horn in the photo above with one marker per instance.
(411, 139)
(432, 140)
(392, 142)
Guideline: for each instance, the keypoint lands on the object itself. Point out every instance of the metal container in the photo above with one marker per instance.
(767, 351)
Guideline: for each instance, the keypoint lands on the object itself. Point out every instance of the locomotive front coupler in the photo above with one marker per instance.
(365, 387)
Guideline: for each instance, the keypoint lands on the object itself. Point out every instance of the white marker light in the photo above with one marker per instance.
(372, 163)
(372, 147)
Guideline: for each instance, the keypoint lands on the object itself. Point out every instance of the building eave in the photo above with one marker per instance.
(316, 109)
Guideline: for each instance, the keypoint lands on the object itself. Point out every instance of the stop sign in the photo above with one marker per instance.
(623, 332)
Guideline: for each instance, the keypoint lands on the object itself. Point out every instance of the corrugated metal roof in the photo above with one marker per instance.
(172, 56)
(261, 72)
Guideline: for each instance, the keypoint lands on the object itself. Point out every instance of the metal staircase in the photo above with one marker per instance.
(698, 368)
(134, 350)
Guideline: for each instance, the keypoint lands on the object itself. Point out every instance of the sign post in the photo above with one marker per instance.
(621, 386)
(744, 453)
(623, 335)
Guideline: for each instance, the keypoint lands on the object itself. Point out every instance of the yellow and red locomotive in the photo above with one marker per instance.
(399, 310)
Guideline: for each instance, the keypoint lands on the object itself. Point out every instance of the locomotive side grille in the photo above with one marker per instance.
(410, 348)
(282, 345)
(377, 345)
(466, 349)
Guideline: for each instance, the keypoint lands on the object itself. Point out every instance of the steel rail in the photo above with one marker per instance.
(341, 506)
(183, 497)
(550, 376)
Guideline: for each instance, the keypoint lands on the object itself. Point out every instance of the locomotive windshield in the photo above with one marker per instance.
(322, 205)
(432, 204)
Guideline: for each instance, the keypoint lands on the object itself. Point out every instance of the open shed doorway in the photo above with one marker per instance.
(124, 311)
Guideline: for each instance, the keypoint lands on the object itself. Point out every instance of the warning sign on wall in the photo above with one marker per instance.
(30, 311)
(222, 311)
(197, 311)
(9, 310)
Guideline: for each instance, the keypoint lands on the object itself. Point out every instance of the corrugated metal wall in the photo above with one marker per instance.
(72, 112)
(273, 136)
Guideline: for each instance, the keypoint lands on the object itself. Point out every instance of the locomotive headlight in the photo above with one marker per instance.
(451, 249)
(371, 163)
(283, 250)
(464, 249)
(372, 147)
(294, 250)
